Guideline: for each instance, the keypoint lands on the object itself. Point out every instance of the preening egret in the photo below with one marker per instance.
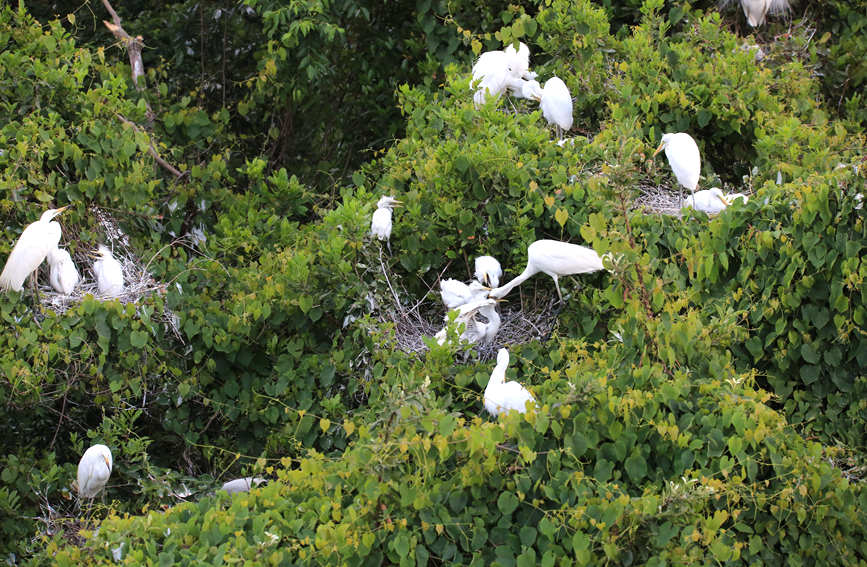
(710, 201)
(496, 71)
(34, 244)
(94, 468)
(684, 158)
(556, 259)
(488, 271)
(456, 293)
(556, 105)
(474, 331)
(531, 90)
(242, 484)
(501, 396)
(62, 274)
(109, 273)
(756, 10)
(380, 224)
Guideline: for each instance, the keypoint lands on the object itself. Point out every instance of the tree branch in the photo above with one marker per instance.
(133, 44)
(152, 150)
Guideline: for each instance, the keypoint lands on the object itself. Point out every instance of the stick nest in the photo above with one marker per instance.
(138, 282)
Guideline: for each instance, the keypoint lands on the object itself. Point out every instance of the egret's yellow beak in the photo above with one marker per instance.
(107, 464)
(659, 149)
(501, 300)
(537, 98)
(61, 209)
(725, 202)
(94, 254)
(396, 203)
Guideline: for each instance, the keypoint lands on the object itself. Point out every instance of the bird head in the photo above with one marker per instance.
(101, 252)
(51, 213)
(388, 202)
(532, 90)
(503, 356)
(665, 139)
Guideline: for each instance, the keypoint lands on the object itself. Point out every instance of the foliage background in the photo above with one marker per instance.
(728, 424)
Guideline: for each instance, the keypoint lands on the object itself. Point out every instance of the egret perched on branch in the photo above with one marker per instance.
(456, 293)
(684, 158)
(62, 274)
(501, 396)
(497, 71)
(488, 271)
(380, 224)
(34, 244)
(556, 105)
(94, 468)
(108, 271)
(756, 10)
(556, 259)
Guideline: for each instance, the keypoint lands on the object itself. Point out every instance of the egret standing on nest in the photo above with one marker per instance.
(62, 274)
(684, 158)
(556, 259)
(501, 396)
(94, 468)
(34, 244)
(380, 224)
(488, 271)
(109, 273)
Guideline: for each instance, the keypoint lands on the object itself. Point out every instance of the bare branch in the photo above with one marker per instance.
(152, 150)
(133, 44)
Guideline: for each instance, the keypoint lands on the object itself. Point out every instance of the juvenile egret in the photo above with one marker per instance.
(109, 274)
(94, 468)
(489, 330)
(531, 90)
(488, 271)
(242, 484)
(34, 244)
(556, 105)
(710, 201)
(496, 71)
(501, 396)
(684, 158)
(62, 274)
(380, 224)
(520, 59)
(730, 197)
(474, 331)
(456, 293)
(556, 259)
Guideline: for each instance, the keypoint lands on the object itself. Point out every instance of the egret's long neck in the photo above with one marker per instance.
(498, 376)
(526, 274)
(490, 313)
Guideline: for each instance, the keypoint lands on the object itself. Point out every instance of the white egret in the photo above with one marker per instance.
(556, 105)
(756, 10)
(34, 244)
(488, 271)
(501, 396)
(474, 331)
(109, 273)
(242, 484)
(731, 197)
(94, 468)
(710, 201)
(62, 274)
(529, 89)
(497, 71)
(489, 330)
(556, 259)
(456, 293)
(684, 158)
(380, 224)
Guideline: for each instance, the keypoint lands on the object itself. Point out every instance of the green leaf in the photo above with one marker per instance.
(138, 339)
(507, 502)
(809, 353)
(636, 466)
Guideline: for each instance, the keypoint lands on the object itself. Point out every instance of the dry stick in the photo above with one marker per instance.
(385, 273)
(152, 151)
(133, 44)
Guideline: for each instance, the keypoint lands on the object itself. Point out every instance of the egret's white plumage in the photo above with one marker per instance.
(756, 10)
(731, 197)
(109, 273)
(531, 90)
(710, 201)
(489, 330)
(474, 331)
(456, 293)
(62, 273)
(34, 244)
(556, 259)
(520, 60)
(242, 484)
(94, 468)
(556, 104)
(683, 157)
(380, 224)
(488, 271)
(501, 396)
(497, 71)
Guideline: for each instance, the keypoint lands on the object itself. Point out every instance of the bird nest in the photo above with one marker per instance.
(138, 281)
(658, 199)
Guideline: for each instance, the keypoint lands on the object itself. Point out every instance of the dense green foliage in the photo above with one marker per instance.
(701, 402)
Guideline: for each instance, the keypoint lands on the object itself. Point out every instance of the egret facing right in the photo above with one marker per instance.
(684, 158)
(34, 244)
(380, 224)
(94, 468)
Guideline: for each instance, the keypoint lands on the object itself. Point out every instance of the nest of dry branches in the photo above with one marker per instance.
(658, 199)
(138, 282)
